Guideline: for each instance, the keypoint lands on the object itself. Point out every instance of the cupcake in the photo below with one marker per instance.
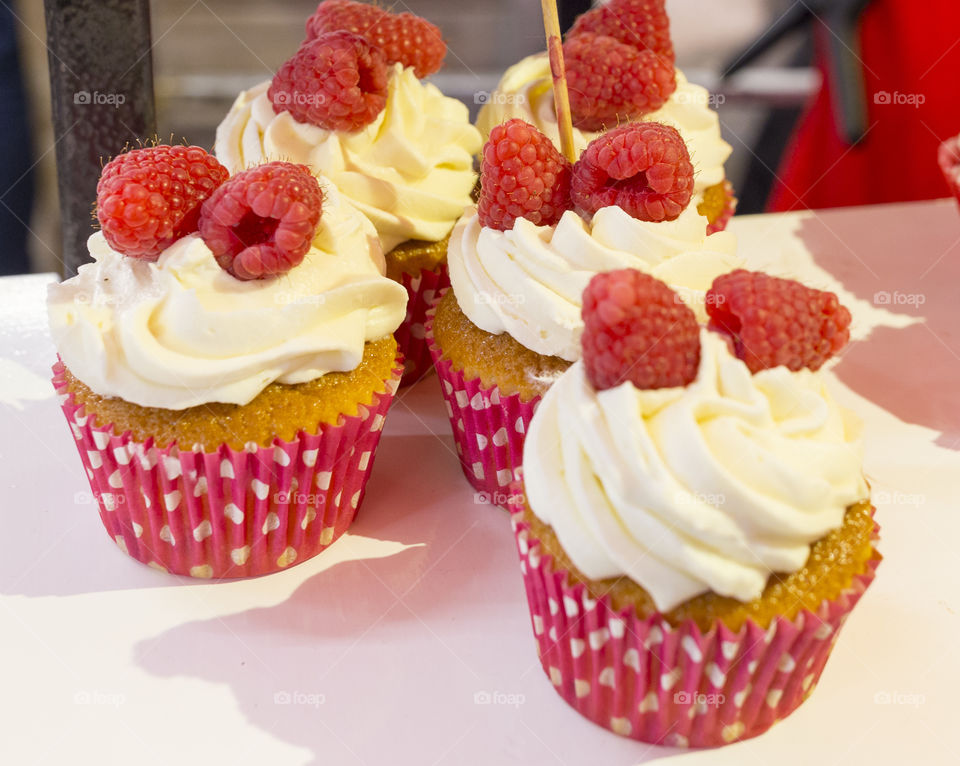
(394, 146)
(693, 522)
(649, 87)
(226, 361)
(511, 323)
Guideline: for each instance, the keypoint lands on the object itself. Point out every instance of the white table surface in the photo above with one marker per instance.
(373, 652)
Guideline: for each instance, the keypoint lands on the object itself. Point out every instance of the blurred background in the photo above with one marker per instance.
(205, 51)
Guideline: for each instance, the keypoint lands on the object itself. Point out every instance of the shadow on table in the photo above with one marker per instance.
(382, 660)
(907, 262)
(54, 544)
(342, 659)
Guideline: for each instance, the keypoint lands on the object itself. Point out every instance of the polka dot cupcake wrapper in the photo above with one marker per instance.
(721, 223)
(422, 291)
(228, 513)
(673, 686)
(488, 429)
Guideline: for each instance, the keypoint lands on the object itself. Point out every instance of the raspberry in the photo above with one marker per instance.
(641, 24)
(403, 38)
(643, 167)
(611, 82)
(261, 222)
(777, 321)
(522, 176)
(636, 328)
(337, 81)
(149, 198)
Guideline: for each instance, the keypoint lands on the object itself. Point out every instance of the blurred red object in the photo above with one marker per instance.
(911, 55)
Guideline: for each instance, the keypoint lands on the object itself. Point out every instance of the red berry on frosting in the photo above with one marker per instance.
(522, 176)
(643, 167)
(641, 24)
(611, 82)
(261, 222)
(337, 81)
(777, 321)
(403, 38)
(636, 328)
(149, 198)
(343, 15)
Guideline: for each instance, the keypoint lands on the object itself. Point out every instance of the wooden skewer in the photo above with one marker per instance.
(561, 96)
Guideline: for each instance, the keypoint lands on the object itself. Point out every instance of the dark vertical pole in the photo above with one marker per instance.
(569, 10)
(101, 78)
(849, 88)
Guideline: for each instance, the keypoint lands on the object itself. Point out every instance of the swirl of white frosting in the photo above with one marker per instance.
(410, 171)
(529, 281)
(182, 331)
(526, 91)
(709, 487)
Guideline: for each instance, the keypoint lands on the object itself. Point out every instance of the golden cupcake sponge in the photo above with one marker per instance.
(414, 255)
(277, 411)
(835, 560)
(498, 360)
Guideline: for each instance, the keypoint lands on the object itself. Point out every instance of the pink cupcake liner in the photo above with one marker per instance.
(721, 223)
(488, 429)
(666, 685)
(228, 513)
(422, 291)
(948, 157)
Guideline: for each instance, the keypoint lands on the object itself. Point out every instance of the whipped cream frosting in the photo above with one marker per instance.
(529, 281)
(410, 171)
(708, 487)
(182, 331)
(526, 91)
